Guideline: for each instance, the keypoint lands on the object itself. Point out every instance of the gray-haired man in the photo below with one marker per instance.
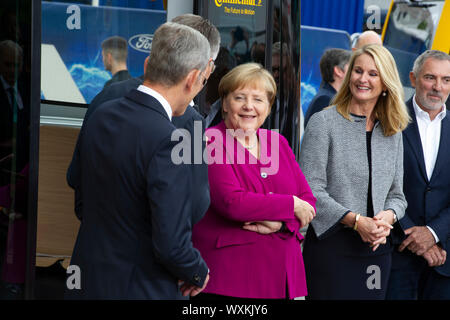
(134, 241)
(420, 266)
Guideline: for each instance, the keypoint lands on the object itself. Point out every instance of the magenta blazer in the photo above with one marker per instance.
(244, 263)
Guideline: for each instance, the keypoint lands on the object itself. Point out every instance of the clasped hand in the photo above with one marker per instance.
(376, 230)
(421, 241)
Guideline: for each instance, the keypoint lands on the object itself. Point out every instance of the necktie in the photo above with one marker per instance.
(11, 96)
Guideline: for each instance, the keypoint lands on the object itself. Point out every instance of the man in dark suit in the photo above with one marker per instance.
(420, 268)
(134, 240)
(333, 67)
(185, 121)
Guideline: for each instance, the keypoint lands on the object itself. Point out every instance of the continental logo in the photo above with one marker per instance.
(141, 42)
(255, 3)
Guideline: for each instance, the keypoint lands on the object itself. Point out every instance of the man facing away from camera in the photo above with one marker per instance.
(134, 241)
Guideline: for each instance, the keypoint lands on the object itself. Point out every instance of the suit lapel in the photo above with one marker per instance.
(444, 147)
(147, 101)
(412, 135)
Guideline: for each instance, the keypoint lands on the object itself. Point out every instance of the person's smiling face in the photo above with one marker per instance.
(365, 81)
(432, 84)
(246, 108)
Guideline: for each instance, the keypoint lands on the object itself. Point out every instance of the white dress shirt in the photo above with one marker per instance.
(158, 97)
(430, 136)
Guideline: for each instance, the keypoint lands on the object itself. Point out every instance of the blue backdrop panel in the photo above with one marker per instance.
(141, 4)
(314, 41)
(80, 49)
(345, 15)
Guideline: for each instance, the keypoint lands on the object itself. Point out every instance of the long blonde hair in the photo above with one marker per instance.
(390, 110)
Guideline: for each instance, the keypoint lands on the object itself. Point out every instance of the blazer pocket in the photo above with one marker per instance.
(235, 239)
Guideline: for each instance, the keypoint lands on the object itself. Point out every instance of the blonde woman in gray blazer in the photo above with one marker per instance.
(352, 157)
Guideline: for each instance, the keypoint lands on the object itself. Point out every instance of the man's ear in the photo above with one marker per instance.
(412, 78)
(108, 59)
(146, 63)
(192, 78)
(339, 72)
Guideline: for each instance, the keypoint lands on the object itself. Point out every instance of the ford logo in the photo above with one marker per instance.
(141, 42)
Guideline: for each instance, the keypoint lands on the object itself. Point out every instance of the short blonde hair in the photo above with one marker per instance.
(390, 110)
(248, 75)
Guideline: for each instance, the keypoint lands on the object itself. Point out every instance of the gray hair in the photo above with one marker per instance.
(435, 54)
(330, 59)
(117, 46)
(205, 27)
(10, 45)
(176, 50)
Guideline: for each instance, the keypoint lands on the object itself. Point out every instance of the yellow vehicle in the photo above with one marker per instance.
(412, 27)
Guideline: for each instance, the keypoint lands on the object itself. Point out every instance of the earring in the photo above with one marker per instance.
(384, 93)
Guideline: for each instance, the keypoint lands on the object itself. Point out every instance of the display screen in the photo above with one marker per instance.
(73, 70)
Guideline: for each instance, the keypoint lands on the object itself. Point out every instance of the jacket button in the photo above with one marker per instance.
(196, 278)
(263, 175)
(428, 189)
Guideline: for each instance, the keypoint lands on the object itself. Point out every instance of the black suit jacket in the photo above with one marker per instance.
(134, 241)
(428, 200)
(118, 77)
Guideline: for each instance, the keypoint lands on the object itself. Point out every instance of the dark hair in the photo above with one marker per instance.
(330, 59)
(117, 46)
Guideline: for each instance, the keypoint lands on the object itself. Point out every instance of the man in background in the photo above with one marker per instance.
(365, 38)
(333, 68)
(114, 53)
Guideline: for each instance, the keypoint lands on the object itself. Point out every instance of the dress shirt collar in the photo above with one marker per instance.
(158, 97)
(424, 115)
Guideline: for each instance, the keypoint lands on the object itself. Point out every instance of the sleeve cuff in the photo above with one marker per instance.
(434, 234)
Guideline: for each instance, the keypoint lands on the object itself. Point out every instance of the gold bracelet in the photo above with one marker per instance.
(355, 226)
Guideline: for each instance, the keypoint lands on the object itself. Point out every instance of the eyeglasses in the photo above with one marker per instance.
(205, 80)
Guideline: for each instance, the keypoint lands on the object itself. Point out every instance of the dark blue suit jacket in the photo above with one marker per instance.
(186, 121)
(428, 200)
(114, 91)
(134, 241)
(321, 100)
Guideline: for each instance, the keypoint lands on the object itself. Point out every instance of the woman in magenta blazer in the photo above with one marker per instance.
(260, 199)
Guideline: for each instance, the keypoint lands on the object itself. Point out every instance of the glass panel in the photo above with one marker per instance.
(15, 77)
(75, 68)
(242, 30)
(285, 69)
(76, 62)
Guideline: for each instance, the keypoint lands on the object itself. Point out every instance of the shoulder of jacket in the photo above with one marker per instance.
(325, 117)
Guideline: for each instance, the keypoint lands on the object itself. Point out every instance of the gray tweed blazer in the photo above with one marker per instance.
(334, 161)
